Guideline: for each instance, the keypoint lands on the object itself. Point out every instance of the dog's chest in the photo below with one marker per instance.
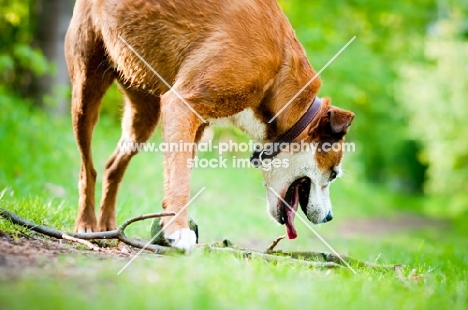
(245, 121)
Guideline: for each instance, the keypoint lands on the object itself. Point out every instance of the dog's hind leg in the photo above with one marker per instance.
(90, 80)
(141, 115)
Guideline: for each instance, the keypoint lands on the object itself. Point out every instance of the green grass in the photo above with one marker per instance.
(38, 175)
(201, 281)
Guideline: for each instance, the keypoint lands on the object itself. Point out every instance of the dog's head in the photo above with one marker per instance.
(307, 171)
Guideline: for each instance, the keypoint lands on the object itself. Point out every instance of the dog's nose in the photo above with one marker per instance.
(329, 217)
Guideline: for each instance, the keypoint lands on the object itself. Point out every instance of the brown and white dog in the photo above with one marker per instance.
(231, 61)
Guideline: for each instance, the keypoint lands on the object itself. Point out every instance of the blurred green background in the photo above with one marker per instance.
(405, 77)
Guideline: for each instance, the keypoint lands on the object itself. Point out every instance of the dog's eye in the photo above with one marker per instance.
(333, 174)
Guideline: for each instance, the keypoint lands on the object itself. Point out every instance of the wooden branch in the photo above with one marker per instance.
(321, 256)
(273, 258)
(143, 217)
(311, 259)
(86, 243)
(275, 243)
(401, 277)
(330, 257)
(118, 234)
(15, 219)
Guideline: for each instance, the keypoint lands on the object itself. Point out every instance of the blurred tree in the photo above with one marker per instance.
(364, 76)
(53, 18)
(31, 46)
(19, 60)
(437, 93)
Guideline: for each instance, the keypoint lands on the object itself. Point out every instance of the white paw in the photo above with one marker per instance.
(182, 239)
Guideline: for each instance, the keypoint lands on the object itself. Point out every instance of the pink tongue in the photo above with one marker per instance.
(290, 229)
(290, 214)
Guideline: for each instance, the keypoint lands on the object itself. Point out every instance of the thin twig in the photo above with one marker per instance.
(86, 243)
(401, 277)
(275, 243)
(330, 257)
(273, 258)
(124, 225)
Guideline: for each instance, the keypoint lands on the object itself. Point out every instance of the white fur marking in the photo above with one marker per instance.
(182, 239)
(245, 121)
(301, 164)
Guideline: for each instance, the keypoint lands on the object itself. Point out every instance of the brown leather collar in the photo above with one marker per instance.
(273, 149)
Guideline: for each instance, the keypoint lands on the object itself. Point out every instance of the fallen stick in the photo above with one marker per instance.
(275, 243)
(330, 257)
(401, 277)
(322, 256)
(311, 259)
(118, 234)
(86, 243)
(273, 258)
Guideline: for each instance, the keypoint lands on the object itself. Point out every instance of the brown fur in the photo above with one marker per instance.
(221, 56)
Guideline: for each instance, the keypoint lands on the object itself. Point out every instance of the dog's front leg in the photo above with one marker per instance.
(180, 126)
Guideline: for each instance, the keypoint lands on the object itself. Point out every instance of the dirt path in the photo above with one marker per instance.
(380, 226)
(36, 251)
(40, 252)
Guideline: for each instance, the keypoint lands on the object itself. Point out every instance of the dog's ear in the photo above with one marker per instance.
(339, 120)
